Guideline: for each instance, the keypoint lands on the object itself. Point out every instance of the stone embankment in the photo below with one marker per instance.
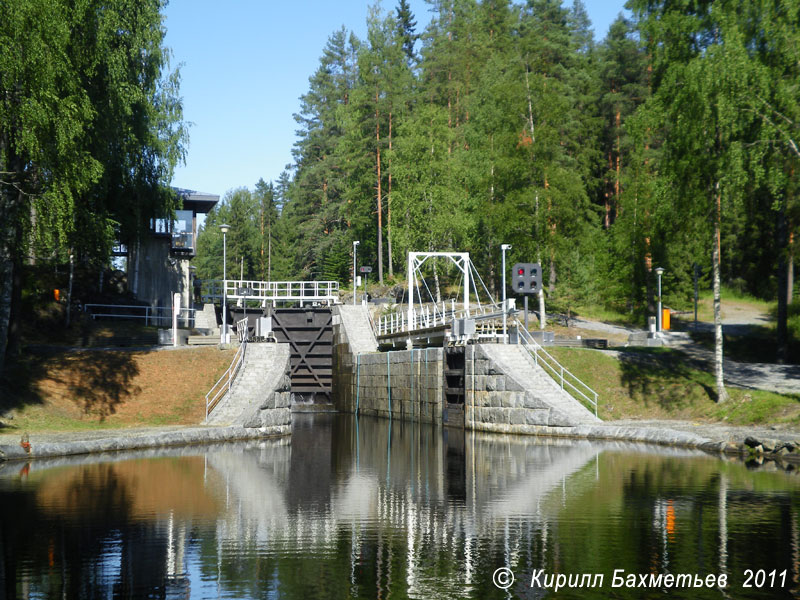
(46, 445)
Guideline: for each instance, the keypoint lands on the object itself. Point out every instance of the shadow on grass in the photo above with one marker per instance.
(751, 344)
(664, 378)
(96, 381)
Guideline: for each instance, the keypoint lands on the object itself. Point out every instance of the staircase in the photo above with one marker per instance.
(205, 320)
(356, 323)
(517, 364)
(262, 383)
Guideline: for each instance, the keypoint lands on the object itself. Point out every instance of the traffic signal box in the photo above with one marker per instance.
(526, 278)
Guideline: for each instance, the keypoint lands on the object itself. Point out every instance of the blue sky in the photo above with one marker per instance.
(245, 63)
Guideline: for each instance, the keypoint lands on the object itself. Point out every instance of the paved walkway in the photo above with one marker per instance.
(783, 379)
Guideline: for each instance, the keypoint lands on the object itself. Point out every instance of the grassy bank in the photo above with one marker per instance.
(69, 391)
(658, 384)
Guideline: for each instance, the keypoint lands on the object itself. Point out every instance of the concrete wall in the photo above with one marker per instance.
(403, 384)
(408, 384)
(154, 273)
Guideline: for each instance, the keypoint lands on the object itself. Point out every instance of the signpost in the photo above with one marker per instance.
(365, 270)
(527, 279)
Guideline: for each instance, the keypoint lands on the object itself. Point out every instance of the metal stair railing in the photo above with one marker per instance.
(569, 382)
(224, 383)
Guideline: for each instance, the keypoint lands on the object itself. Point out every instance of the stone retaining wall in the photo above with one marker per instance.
(406, 384)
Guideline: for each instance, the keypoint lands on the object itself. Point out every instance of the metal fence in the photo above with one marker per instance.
(157, 316)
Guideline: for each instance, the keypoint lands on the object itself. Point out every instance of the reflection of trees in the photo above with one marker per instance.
(366, 509)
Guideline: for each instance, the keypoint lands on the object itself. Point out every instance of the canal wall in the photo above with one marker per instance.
(504, 390)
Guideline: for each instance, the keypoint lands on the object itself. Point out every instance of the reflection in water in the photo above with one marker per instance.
(368, 509)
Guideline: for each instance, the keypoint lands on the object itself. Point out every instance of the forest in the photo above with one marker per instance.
(671, 143)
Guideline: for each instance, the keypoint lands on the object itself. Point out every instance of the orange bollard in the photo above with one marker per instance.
(665, 319)
(57, 294)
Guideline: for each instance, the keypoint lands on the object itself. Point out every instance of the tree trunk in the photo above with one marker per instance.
(389, 204)
(262, 238)
(722, 395)
(782, 332)
(790, 272)
(69, 287)
(6, 272)
(380, 200)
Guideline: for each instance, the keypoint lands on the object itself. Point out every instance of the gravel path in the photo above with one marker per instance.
(737, 318)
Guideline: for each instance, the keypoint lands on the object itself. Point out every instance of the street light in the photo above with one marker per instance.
(659, 272)
(503, 248)
(355, 246)
(224, 335)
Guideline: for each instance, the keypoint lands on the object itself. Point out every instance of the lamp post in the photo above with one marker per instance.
(659, 272)
(224, 336)
(355, 270)
(503, 249)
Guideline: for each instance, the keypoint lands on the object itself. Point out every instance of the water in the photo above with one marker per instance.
(362, 509)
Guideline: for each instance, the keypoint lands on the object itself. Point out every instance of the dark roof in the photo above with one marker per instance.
(198, 202)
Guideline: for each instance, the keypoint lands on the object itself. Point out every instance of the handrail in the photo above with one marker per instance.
(555, 369)
(425, 318)
(213, 397)
(242, 331)
(151, 314)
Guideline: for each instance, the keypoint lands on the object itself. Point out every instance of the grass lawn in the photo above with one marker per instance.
(68, 391)
(657, 384)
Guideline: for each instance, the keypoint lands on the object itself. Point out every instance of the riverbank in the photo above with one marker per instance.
(756, 443)
(48, 445)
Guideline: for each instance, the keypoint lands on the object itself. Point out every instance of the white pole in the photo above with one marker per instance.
(503, 249)
(224, 290)
(412, 257)
(355, 271)
(176, 308)
(465, 261)
(224, 333)
(659, 272)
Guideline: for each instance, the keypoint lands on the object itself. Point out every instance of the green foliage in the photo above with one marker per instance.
(90, 130)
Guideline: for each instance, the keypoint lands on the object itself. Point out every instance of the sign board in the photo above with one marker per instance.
(366, 269)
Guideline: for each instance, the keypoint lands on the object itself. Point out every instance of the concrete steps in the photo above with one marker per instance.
(261, 380)
(517, 364)
(355, 321)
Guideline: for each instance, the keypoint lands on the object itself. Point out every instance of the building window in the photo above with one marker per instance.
(182, 234)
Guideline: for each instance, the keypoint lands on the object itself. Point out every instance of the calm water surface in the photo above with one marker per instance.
(365, 509)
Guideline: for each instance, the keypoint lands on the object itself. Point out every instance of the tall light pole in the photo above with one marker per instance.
(659, 272)
(503, 249)
(224, 335)
(355, 271)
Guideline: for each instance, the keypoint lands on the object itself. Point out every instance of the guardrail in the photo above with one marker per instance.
(158, 316)
(271, 291)
(428, 317)
(568, 381)
(224, 383)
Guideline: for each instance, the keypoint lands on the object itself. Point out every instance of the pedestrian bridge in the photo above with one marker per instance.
(274, 292)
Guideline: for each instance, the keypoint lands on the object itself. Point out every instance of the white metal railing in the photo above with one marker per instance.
(569, 382)
(428, 316)
(272, 291)
(223, 385)
(241, 330)
(158, 316)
